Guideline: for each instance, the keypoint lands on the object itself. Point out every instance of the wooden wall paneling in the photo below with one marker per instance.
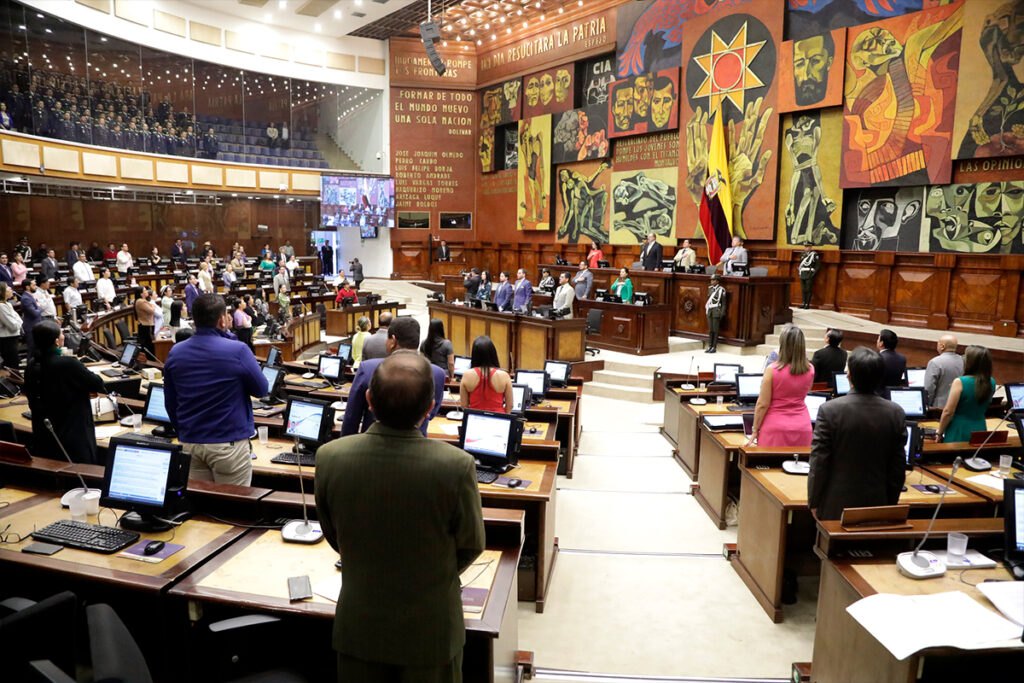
(857, 280)
(531, 347)
(508, 258)
(974, 295)
(913, 280)
(688, 308)
(412, 260)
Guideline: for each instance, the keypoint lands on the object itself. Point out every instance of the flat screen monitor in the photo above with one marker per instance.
(366, 203)
(331, 367)
(910, 399)
(462, 365)
(748, 386)
(1015, 395)
(345, 353)
(912, 444)
(273, 376)
(720, 422)
(128, 356)
(273, 355)
(492, 438)
(842, 383)
(726, 372)
(813, 403)
(307, 420)
(915, 377)
(144, 477)
(156, 408)
(537, 380)
(520, 398)
(1013, 494)
(558, 372)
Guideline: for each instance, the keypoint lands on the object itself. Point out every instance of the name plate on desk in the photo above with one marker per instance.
(881, 518)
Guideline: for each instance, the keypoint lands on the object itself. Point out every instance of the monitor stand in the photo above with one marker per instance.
(166, 431)
(146, 522)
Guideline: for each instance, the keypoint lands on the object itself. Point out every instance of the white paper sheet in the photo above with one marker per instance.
(906, 624)
(1007, 596)
(450, 430)
(329, 588)
(107, 431)
(987, 480)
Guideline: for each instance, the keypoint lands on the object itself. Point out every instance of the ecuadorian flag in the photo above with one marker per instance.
(716, 202)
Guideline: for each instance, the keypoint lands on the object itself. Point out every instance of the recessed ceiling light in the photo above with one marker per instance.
(267, 17)
(282, 4)
(337, 14)
(316, 27)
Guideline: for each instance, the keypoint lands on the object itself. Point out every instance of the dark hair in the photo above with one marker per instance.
(44, 336)
(625, 269)
(484, 355)
(406, 331)
(866, 368)
(402, 388)
(978, 364)
(661, 82)
(565, 275)
(475, 271)
(834, 336)
(889, 339)
(505, 273)
(207, 309)
(435, 335)
(182, 334)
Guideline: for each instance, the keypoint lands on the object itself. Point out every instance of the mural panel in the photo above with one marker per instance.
(643, 202)
(548, 92)
(647, 103)
(501, 103)
(984, 218)
(810, 201)
(533, 199)
(582, 202)
(811, 72)
(580, 134)
(883, 219)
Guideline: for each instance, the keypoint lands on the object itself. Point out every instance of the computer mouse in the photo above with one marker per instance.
(153, 547)
(308, 375)
(533, 430)
(514, 483)
(932, 488)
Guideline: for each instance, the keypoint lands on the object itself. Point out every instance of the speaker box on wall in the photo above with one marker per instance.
(431, 33)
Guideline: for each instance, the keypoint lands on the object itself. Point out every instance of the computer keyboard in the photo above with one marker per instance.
(85, 536)
(308, 459)
(111, 372)
(485, 477)
(739, 408)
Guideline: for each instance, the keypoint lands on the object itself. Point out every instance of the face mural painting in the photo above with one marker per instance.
(984, 218)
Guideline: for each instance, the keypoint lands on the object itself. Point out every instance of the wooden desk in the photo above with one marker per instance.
(777, 528)
(833, 541)
(718, 471)
(844, 651)
(253, 574)
(963, 477)
(341, 322)
(688, 427)
(521, 341)
(639, 330)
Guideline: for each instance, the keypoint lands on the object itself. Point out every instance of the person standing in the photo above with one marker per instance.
(969, 397)
(177, 252)
(58, 388)
(503, 297)
(472, 283)
(483, 291)
(209, 380)
(47, 308)
(280, 279)
(10, 329)
(685, 257)
(71, 257)
(206, 278)
(564, 295)
(623, 286)
(895, 363)
(49, 266)
(488, 387)
(780, 416)
(18, 269)
(375, 345)
(437, 348)
(124, 260)
(72, 297)
(228, 278)
(583, 281)
(810, 263)
(594, 255)
(522, 292)
(31, 314)
(357, 272)
(82, 270)
(829, 359)
(105, 291)
(857, 457)
(714, 309)
(650, 254)
(144, 315)
(6, 274)
(942, 371)
(733, 257)
(399, 613)
(191, 293)
(443, 252)
(359, 339)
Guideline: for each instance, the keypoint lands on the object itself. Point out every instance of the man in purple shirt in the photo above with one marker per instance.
(191, 293)
(403, 335)
(208, 381)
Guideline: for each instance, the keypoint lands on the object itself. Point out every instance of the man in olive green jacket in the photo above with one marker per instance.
(404, 513)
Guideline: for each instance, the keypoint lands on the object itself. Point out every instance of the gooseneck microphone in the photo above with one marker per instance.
(301, 531)
(979, 464)
(65, 500)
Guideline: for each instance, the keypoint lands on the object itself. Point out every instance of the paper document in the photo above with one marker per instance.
(329, 588)
(1008, 597)
(449, 429)
(906, 624)
(107, 431)
(972, 559)
(987, 480)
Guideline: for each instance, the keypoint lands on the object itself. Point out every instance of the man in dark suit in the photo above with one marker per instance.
(49, 265)
(404, 513)
(829, 359)
(71, 256)
(443, 252)
(472, 283)
(895, 363)
(857, 457)
(650, 255)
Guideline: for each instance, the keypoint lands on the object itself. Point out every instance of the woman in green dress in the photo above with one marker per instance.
(969, 397)
(623, 286)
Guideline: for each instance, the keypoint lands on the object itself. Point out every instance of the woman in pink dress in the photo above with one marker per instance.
(781, 417)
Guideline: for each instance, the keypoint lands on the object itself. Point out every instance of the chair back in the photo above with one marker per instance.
(122, 330)
(43, 630)
(175, 320)
(108, 339)
(115, 655)
(595, 316)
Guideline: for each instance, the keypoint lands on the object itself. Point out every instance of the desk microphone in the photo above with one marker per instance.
(921, 564)
(124, 421)
(302, 530)
(65, 500)
(975, 463)
(689, 386)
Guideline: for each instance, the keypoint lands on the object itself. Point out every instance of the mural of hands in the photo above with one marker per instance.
(747, 164)
(697, 154)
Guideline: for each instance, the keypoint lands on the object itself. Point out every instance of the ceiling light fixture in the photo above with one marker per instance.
(317, 28)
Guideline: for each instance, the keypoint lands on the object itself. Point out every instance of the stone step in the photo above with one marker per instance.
(631, 368)
(681, 344)
(604, 390)
(624, 379)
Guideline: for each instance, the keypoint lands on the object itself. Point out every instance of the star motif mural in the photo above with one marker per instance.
(727, 68)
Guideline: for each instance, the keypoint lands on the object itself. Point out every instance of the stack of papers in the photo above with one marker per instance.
(906, 624)
(988, 481)
(1007, 596)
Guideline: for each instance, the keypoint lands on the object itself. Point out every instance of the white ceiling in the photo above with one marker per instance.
(285, 13)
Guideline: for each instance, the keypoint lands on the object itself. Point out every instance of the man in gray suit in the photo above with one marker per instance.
(734, 256)
(375, 345)
(404, 513)
(942, 370)
(857, 457)
(583, 281)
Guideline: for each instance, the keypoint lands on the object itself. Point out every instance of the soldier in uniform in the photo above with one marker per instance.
(810, 262)
(156, 140)
(133, 138)
(66, 128)
(210, 144)
(714, 308)
(40, 119)
(100, 134)
(117, 137)
(83, 131)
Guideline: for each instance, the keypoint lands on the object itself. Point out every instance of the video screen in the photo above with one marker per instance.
(748, 386)
(139, 475)
(330, 367)
(304, 420)
(813, 403)
(532, 379)
(271, 375)
(557, 371)
(156, 408)
(727, 373)
(842, 383)
(367, 203)
(345, 352)
(1015, 395)
(908, 443)
(273, 355)
(487, 435)
(518, 396)
(462, 365)
(915, 377)
(912, 401)
(128, 355)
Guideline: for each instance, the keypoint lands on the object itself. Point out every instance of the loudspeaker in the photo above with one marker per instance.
(430, 33)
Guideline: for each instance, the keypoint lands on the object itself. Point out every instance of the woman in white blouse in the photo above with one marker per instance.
(105, 291)
(205, 278)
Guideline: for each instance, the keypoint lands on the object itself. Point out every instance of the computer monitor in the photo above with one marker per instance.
(725, 373)
(129, 355)
(841, 382)
(748, 387)
(273, 355)
(1013, 495)
(331, 368)
(274, 377)
(911, 399)
(492, 438)
(520, 399)
(537, 380)
(814, 402)
(558, 372)
(347, 301)
(1015, 395)
(308, 421)
(462, 365)
(912, 445)
(156, 408)
(146, 478)
(915, 377)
